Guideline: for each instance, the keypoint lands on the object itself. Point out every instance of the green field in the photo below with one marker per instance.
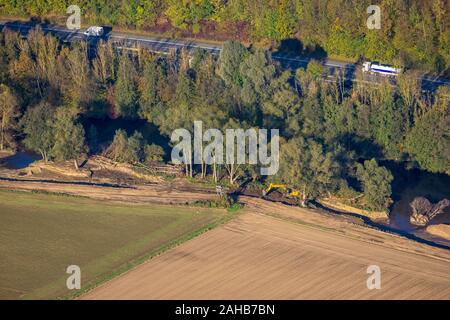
(42, 234)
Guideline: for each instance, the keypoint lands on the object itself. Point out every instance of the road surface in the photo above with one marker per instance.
(165, 45)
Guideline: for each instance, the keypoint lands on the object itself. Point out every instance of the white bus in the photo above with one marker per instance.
(376, 68)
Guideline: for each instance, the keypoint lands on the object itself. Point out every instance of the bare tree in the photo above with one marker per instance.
(424, 211)
(409, 88)
(104, 67)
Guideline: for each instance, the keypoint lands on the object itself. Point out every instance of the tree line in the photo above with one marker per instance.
(330, 134)
(337, 27)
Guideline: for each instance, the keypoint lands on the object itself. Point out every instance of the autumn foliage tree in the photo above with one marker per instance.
(55, 91)
(376, 182)
(9, 114)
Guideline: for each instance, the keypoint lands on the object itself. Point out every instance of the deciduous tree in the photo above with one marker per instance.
(9, 113)
(376, 182)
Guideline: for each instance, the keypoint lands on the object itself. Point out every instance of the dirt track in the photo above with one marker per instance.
(270, 251)
(157, 193)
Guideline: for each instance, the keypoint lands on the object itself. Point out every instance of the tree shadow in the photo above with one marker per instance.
(290, 46)
(316, 52)
(362, 147)
(106, 129)
(291, 53)
(24, 28)
(418, 183)
(19, 160)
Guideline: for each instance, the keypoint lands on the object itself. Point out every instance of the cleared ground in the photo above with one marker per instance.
(42, 234)
(257, 256)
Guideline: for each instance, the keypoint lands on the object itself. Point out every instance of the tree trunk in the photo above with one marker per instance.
(203, 169)
(186, 165)
(232, 169)
(44, 155)
(202, 172)
(303, 201)
(190, 163)
(215, 171)
(231, 173)
(2, 133)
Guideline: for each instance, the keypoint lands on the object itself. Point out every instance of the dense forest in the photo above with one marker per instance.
(330, 134)
(336, 27)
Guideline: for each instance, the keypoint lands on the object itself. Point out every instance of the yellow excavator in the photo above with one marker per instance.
(288, 191)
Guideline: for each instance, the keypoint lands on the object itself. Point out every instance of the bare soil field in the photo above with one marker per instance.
(170, 193)
(261, 257)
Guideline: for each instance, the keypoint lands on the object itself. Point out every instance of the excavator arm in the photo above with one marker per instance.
(273, 186)
(289, 192)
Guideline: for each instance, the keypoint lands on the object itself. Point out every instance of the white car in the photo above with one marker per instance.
(94, 31)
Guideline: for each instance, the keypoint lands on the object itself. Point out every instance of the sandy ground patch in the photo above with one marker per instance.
(440, 230)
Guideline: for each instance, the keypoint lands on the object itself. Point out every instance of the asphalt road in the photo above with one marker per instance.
(165, 45)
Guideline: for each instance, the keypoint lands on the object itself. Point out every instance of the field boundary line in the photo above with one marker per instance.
(135, 263)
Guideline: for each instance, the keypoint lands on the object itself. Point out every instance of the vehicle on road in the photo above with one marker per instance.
(94, 31)
(377, 68)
